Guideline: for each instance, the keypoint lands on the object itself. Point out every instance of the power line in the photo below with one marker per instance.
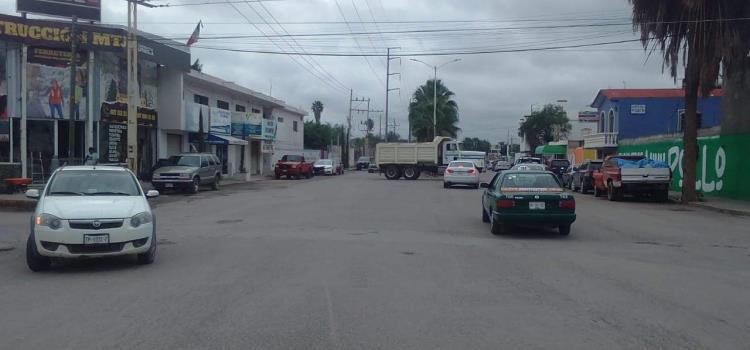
(412, 54)
(357, 42)
(212, 3)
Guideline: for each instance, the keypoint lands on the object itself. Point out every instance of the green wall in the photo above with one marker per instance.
(723, 163)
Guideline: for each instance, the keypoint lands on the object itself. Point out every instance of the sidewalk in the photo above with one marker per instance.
(718, 204)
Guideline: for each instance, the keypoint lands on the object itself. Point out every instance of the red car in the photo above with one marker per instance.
(293, 166)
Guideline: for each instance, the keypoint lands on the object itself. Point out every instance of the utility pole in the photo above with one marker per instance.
(387, 85)
(349, 127)
(72, 103)
(134, 95)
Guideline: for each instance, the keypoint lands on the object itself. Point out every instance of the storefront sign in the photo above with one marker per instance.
(267, 146)
(637, 109)
(116, 142)
(83, 9)
(90, 37)
(269, 129)
(246, 125)
(117, 113)
(220, 121)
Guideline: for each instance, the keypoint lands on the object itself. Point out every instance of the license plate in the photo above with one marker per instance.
(96, 239)
(168, 185)
(536, 205)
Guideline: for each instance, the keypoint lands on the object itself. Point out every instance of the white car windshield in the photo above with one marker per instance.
(93, 183)
(324, 162)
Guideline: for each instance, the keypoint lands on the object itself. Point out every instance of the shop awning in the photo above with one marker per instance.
(225, 140)
(551, 149)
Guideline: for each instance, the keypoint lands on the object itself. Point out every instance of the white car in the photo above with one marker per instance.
(461, 172)
(91, 211)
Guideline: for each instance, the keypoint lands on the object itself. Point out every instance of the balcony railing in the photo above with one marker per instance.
(600, 140)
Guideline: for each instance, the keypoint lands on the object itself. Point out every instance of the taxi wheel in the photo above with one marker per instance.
(564, 229)
(34, 260)
(485, 217)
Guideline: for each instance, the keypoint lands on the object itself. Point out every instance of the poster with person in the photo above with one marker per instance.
(113, 80)
(48, 84)
(4, 123)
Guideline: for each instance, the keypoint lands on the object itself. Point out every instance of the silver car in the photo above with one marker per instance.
(461, 172)
(188, 171)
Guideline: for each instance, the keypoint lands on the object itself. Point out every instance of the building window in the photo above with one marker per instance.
(239, 108)
(222, 104)
(201, 100)
(294, 126)
(611, 121)
(280, 119)
(600, 125)
(256, 111)
(681, 121)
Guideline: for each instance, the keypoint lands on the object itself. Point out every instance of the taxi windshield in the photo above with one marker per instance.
(529, 180)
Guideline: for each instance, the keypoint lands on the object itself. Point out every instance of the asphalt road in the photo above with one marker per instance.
(359, 262)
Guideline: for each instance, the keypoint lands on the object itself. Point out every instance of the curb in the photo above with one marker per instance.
(720, 210)
(17, 205)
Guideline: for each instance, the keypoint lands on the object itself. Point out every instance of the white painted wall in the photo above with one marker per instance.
(287, 140)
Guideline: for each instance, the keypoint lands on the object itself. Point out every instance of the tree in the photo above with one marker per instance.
(393, 136)
(542, 126)
(317, 136)
(697, 32)
(317, 108)
(421, 112)
(476, 144)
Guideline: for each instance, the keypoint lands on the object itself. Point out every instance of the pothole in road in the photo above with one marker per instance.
(229, 221)
(674, 245)
(408, 252)
(362, 233)
(166, 242)
(6, 248)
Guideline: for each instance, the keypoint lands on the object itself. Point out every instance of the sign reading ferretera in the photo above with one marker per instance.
(83, 9)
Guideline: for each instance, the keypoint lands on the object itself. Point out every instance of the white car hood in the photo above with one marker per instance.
(93, 207)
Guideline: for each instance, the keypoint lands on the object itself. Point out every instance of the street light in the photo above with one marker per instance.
(434, 95)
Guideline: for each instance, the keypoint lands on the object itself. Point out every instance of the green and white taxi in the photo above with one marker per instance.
(525, 197)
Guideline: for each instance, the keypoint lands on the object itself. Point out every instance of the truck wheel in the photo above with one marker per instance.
(411, 173)
(277, 176)
(613, 194)
(583, 187)
(195, 186)
(215, 184)
(307, 175)
(663, 196)
(597, 193)
(392, 173)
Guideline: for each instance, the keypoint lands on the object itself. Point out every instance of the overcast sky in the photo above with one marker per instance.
(493, 91)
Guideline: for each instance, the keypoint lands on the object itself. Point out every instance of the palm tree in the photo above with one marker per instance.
(697, 32)
(421, 112)
(317, 108)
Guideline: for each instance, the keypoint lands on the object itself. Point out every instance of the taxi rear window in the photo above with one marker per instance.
(523, 182)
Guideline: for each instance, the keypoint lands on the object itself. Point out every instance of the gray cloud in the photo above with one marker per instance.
(493, 91)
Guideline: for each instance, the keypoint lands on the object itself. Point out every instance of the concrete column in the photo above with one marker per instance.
(90, 142)
(22, 128)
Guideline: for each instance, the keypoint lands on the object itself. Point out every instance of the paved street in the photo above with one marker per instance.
(359, 262)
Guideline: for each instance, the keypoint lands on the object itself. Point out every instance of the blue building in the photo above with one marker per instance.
(634, 113)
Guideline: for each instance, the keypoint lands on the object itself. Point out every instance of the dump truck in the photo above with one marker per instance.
(411, 159)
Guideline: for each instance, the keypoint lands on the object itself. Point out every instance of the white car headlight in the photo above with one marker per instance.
(48, 220)
(140, 219)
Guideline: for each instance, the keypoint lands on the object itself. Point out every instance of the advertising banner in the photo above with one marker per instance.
(220, 121)
(48, 84)
(113, 81)
(247, 125)
(269, 129)
(721, 169)
(193, 113)
(83, 9)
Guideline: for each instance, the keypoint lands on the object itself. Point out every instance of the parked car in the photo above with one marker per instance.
(293, 166)
(528, 198)
(558, 166)
(632, 178)
(91, 211)
(529, 167)
(567, 176)
(328, 167)
(582, 178)
(363, 163)
(373, 168)
(461, 172)
(188, 171)
(502, 165)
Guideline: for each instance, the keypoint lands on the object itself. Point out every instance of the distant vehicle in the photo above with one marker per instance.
(373, 168)
(91, 211)
(188, 171)
(502, 165)
(567, 176)
(475, 156)
(328, 167)
(293, 166)
(363, 163)
(582, 179)
(529, 167)
(411, 159)
(558, 166)
(525, 160)
(461, 172)
(528, 198)
(616, 180)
